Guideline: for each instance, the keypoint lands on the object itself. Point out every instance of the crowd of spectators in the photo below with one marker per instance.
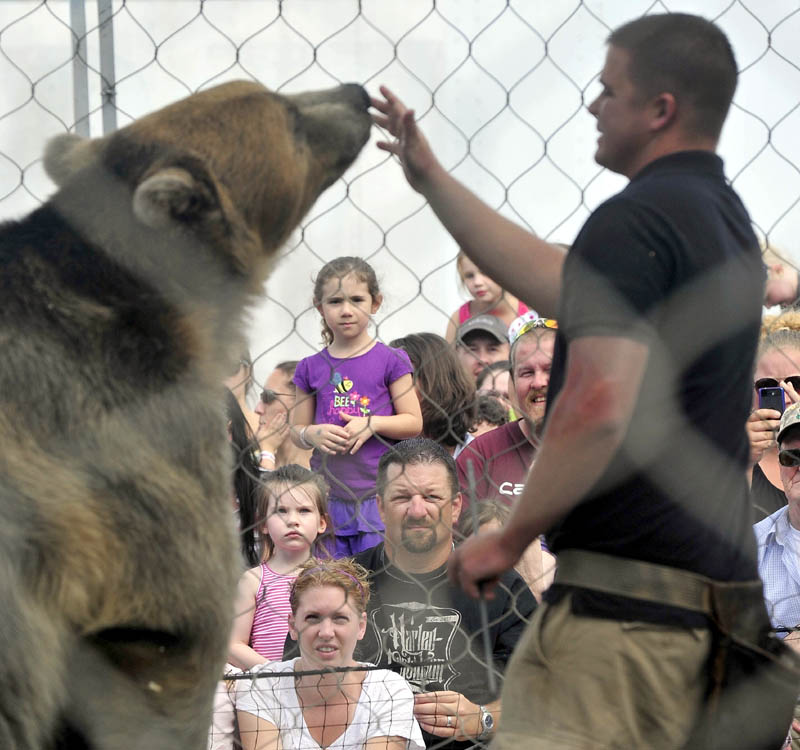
(482, 400)
(417, 625)
(427, 466)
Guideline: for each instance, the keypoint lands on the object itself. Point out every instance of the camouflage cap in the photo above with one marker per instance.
(789, 419)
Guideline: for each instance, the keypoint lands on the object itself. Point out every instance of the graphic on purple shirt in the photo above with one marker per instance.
(359, 386)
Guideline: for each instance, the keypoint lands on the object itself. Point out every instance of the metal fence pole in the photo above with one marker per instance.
(80, 76)
(105, 18)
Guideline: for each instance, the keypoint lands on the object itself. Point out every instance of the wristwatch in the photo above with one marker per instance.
(487, 723)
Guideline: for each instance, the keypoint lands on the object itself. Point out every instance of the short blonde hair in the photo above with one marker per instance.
(344, 573)
(786, 321)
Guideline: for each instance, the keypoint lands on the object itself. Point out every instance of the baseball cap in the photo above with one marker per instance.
(789, 419)
(488, 323)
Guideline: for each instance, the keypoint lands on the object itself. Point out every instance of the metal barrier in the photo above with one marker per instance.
(500, 88)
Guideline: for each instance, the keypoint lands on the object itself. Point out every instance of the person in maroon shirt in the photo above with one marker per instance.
(501, 458)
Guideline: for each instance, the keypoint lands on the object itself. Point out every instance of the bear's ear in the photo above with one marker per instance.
(174, 195)
(182, 193)
(67, 154)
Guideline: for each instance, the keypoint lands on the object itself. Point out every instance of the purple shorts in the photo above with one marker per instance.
(356, 526)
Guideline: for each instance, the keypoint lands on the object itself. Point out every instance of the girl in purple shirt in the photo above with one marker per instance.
(355, 398)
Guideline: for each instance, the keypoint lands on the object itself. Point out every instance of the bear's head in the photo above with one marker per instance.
(236, 166)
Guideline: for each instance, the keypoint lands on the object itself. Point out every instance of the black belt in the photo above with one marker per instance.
(736, 606)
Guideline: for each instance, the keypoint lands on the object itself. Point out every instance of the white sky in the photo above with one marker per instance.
(503, 113)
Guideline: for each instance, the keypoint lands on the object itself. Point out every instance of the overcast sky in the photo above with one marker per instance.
(500, 89)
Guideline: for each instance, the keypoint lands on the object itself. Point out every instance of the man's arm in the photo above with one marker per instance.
(517, 260)
(586, 427)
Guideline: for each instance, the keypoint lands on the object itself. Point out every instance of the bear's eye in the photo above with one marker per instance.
(296, 121)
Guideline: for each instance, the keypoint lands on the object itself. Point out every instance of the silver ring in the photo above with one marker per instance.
(449, 720)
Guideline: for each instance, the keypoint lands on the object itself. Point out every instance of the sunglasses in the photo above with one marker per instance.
(532, 325)
(793, 380)
(789, 457)
(268, 396)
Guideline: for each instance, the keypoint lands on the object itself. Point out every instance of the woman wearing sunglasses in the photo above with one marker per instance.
(777, 366)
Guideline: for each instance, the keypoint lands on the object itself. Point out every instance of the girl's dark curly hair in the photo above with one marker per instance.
(446, 394)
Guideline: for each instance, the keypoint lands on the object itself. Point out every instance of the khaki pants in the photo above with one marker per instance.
(583, 682)
(796, 735)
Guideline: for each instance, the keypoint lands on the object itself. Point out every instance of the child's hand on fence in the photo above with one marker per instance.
(358, 430)
(328, 438)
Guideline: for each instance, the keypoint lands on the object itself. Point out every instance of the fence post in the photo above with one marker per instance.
(80, 77)
(105, 17)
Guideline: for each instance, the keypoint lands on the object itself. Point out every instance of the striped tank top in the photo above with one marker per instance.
(271, 616)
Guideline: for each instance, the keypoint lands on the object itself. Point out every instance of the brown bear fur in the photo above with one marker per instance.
(122, 305)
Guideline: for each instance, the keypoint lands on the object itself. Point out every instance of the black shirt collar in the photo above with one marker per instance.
(681, 161)
(392, 570)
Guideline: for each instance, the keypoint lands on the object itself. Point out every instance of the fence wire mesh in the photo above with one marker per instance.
(500, 88)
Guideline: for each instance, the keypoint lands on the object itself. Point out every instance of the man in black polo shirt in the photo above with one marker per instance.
(643, 455)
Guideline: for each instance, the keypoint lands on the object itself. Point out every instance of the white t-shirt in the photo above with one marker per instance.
(385, 709)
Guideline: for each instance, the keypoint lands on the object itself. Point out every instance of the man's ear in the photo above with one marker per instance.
(664, 110)
(380, 509)
(458, 503)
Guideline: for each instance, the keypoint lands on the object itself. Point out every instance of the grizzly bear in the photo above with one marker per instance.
(123, 298)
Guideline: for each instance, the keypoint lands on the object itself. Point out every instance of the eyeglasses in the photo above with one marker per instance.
(269, 396)
(793, 380)
(789, 457)
(533, 324)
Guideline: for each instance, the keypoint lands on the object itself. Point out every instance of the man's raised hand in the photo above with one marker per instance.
(410, 145)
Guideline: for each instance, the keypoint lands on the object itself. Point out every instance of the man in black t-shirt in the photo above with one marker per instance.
(418, 623)
(643, 455)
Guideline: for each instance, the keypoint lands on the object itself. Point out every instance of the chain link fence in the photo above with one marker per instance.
(500, 88)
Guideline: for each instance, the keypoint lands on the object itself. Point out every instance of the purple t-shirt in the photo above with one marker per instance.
(359, 386)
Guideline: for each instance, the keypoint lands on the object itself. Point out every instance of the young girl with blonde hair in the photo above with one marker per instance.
(488, 298)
